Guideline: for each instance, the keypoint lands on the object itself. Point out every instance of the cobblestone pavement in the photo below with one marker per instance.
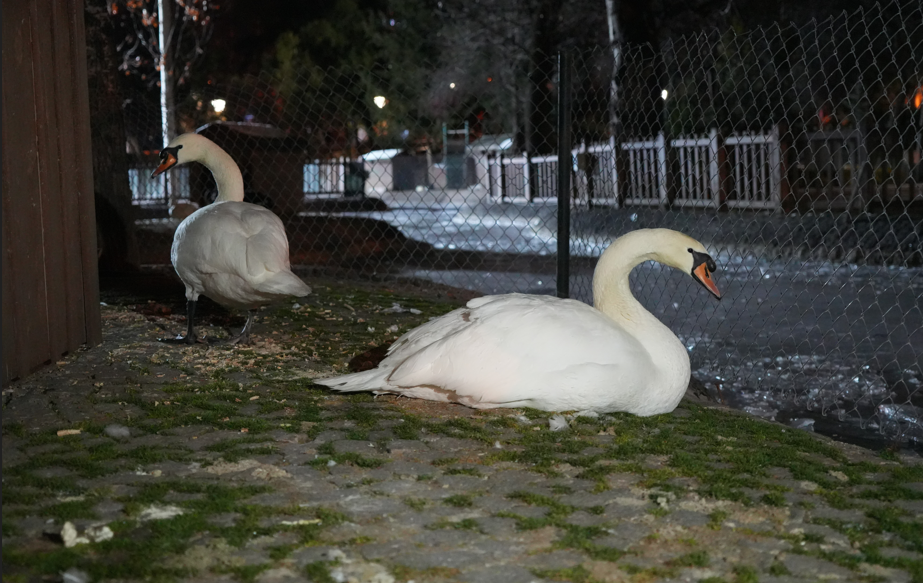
(137, 460)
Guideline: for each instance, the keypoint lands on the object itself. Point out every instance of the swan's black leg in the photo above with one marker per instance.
(191, 337)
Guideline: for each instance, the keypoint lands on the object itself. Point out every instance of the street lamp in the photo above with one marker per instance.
(218, 105)
(663, 94)
(380, 101)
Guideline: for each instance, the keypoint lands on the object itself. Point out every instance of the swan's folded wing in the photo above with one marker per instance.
(267, 244)
(510, 347)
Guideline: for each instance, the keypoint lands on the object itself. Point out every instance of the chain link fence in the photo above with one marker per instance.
(793, 152)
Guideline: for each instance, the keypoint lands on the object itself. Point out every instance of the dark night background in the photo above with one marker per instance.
(246, 31)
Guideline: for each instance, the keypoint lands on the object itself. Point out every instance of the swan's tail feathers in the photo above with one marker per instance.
(284, 283)
(367, 380)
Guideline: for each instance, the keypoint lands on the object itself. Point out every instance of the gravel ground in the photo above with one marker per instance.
(137, 460)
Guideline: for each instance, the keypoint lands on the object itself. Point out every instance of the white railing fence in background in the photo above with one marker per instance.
(325, 176)
(646, 183)
(755, 170)
(697, 177)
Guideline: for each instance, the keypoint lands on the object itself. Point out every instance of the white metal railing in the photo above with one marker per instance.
(523, 179)
(595, 175)
(147, 191)
(755, 170)
(752, 162)
(697, 182)
(647, 172)
(325, 176)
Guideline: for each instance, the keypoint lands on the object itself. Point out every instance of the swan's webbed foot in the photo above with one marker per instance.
(243, 338)
(187, 339)
(240, 339)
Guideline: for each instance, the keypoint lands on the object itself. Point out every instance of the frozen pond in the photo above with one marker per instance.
(792, 340)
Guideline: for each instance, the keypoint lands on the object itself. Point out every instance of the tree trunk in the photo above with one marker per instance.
(615, 45)
(114, 212)
(167, 106)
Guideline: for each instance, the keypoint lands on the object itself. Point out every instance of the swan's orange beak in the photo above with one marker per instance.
(703, 276)
(167, 161)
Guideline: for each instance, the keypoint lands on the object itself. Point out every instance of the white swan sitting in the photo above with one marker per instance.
(234, 252)
(548, 353)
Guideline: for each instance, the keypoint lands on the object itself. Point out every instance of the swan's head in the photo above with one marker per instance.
(182, 149)
(688, 255)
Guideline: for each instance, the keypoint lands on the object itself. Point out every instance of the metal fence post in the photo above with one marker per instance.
(565, 162)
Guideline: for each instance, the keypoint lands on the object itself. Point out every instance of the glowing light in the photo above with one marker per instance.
(451, 85)
(663, 94)
(218, 105)
(380, 101)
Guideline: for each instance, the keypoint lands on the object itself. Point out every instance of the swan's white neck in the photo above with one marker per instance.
(227, 175)
(612, 296)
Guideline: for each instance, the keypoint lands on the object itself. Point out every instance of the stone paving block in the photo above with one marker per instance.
(583, 518)
(109, 510)
(507, 481)
(402, 468)
(462, 482)
(327, 436)
(362, 506)
(898, 553)
(553, 560)
(225, 519)
(884, 573)
(499, 574)
(391, 551)
(620, 512)
(585, 499)
(446, 537)
(624, 535)
(815, 569)
(448, 558)
(849, 515)
(688, 518)
(404, 487)
(453, 444)
(405, 446)
(306, 555)
(497, 527)
(279, 575)
(363, 448)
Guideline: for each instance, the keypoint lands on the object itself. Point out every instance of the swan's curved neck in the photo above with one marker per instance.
(611, 292)
(612, 296)
(227, 174)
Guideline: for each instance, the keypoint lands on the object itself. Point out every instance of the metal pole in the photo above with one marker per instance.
(565, 161)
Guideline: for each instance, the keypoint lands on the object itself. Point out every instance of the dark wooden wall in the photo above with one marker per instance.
(50, 283)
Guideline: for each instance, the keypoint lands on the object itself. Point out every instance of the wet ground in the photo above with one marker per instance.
(135, 460)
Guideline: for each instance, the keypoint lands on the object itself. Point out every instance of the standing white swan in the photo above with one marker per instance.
(548, 353)
(234, 252)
